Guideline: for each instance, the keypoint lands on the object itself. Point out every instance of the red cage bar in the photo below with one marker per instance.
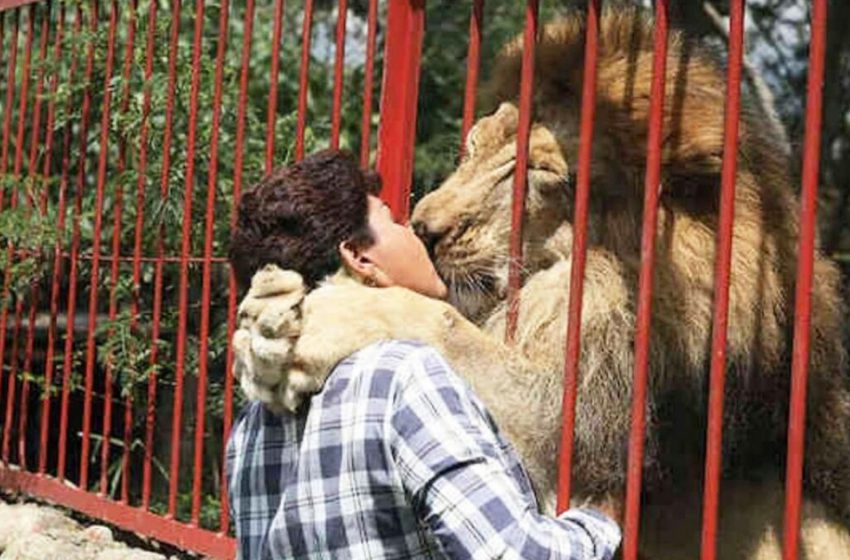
(339, 69)
(368, 84)
(579, 253)
(526, 93)
(805, 273)
(51, 329)
(652, 187)
(95, 262)
(473, 61)
(75, 250)
(207, 286)
(714, 435)
(113, 281)
(160, 251)
(140, 204)
(138, 509)
(271, 118)
(304, 78)
(396, 136)
(185, 247)
(13, 203)
(32, 172)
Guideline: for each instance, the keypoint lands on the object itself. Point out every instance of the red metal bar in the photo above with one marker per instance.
(7, 115)
(185, 248)
(129, 47)
(32, 171)
(400, 94)
(95, 263)
(579, 253)
(75, 247)
(368, 84)
(304, 85)
(723, 263)
(473, 60)
(652, 187)
(5, 107)
(13, 375)
(4, 162)
(13, 203)
(133, 519)
(158, 267)
(57, 258)
(139, 228)
(47, 398)
(339, 70)
(206, 290)
(526, 93)
(271, 117)
(237, 191)
(803, 296)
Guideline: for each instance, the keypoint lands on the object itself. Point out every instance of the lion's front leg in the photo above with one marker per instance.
(340, 318)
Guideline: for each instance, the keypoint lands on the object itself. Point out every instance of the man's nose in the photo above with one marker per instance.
(428, 236)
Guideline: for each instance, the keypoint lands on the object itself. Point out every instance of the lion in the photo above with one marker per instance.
(466, 225)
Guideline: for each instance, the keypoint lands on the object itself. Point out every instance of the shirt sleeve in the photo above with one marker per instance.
(447, 459)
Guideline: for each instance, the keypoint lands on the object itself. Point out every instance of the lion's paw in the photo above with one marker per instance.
(269, 323)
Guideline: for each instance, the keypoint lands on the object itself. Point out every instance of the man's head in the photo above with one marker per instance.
(320, 214)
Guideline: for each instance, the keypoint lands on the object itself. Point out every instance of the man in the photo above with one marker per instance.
(395, 457)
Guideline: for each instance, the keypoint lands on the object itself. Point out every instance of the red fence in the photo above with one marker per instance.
(71, 298)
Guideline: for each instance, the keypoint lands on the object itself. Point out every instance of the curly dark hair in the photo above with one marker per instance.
(297, 216)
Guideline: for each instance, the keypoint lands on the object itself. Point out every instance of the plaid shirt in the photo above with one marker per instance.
(394, 458)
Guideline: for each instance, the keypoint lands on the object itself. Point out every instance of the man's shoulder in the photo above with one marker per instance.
(384, 365)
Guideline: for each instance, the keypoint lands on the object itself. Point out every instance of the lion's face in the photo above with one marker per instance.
(466, 222)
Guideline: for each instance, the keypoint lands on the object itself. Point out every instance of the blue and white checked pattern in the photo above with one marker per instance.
(396, 458)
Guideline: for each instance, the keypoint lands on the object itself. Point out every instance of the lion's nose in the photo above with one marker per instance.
(428, 236)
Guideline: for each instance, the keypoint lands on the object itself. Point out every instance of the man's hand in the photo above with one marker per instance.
(269, 323)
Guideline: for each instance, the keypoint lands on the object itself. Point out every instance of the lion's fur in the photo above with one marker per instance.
(469, 215)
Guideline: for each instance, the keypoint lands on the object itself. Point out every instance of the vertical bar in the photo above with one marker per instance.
(339, 70)
(75, 245)
(2, 44)
(95, 261)
(206, 290)
(473, 60)
(158, 270)
(13, 203)
(58, 258)
(526, 94)
(185, 248)
(723, 263)
(579, 252)
(115, 266)
(141, 180)
(368, 84)
(803, 296)
(7, 109)
(4, 161)
(304, 85)
(400, 94)
(54, 286)
(271, 117)
(237, 190)
(32, 172)
(652, 187)
(10, 397)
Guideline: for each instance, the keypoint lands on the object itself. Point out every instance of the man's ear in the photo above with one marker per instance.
(357, 261)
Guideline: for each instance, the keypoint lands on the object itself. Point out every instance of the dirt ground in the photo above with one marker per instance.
(33, 531)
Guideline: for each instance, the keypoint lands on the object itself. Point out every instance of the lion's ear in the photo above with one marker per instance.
(491, 132)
